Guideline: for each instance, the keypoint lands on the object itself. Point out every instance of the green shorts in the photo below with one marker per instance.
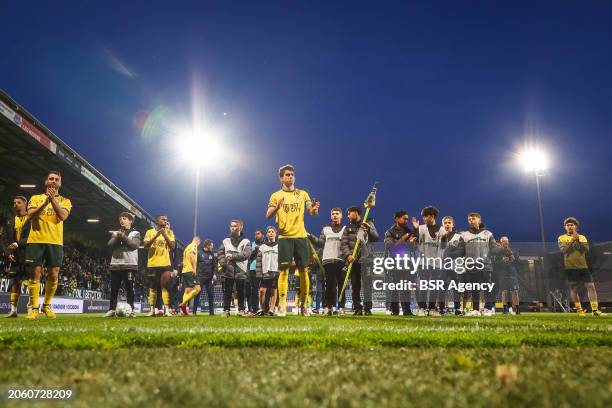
(154, 274)
(189, 281)
(578, 276)
(49, 255)
(295, 249)
(18, 272)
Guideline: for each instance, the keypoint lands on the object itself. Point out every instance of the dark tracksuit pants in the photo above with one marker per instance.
(482, 276)
(207, 285)
(253, 293)
(430, 298)
(228, 288)
(119, 276)
(334, 279)
(402, 297)
(356, 285)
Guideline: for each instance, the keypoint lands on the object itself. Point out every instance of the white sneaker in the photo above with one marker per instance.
(110, 313)
(473, 313)
(434, 312)
(341, 311)
(281, 314)
(511, 311)
(422, 313)
(388, 312)
(487, 312)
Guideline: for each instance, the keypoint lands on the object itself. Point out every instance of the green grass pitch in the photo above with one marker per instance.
(533, 359)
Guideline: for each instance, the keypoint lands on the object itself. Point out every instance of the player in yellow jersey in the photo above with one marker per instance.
(189, 275)
(574, 247)
(288, 206)
(158, 242)
(15, 241)
(45, 246)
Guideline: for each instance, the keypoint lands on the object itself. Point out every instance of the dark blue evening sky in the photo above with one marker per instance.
(432, 99)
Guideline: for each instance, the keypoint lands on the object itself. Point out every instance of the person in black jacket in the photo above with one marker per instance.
(505, 264)
(252, 283)
(398, 241)
(366, 233)
(207, 272)
(14, 245)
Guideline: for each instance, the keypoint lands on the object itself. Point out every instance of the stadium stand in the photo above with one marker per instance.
(28, 150)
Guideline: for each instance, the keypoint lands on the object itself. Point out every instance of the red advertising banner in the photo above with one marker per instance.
(38, 135)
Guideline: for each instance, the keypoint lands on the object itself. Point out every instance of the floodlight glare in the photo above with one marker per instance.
(534, 160)
(200, 150)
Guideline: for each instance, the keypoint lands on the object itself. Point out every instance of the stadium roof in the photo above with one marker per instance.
(28, 150)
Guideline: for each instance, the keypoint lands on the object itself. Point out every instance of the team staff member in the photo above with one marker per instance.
(366, 233)
(480, 243)
(124, 261)
(267, 272)
(453, 247)
(159, 241)
(332, 261)
(288, 206)
(189, 278)
(574, 247)
(15, 241)
(398, 239)
(233, 257)
(429, 237)
(508, 277)
(45, 245)
(252, 293)
(207, 271)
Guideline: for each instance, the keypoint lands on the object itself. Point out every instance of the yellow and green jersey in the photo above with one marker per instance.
(47, 228)
(159, 251)
(189, 249)
(573, 259)
(290, 217)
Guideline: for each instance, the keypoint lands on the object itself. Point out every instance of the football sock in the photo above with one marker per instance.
(304, 289)
(166, 297)
(594, 306)
(578, 306)
(14, 298)
(50, 288)
(283, 286)
(34, 290)
(152, 298)
(188, 296)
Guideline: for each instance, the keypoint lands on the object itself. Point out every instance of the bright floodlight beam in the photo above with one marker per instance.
(534, 160)
(199, 151)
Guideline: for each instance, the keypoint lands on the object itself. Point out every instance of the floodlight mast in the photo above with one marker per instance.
(535, 161)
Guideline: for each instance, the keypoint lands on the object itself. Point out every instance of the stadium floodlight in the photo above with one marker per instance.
(199, 149)
(27, 186)
(534, 160)
(93, 220)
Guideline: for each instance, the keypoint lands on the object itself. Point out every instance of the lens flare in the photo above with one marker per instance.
(151, 124)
